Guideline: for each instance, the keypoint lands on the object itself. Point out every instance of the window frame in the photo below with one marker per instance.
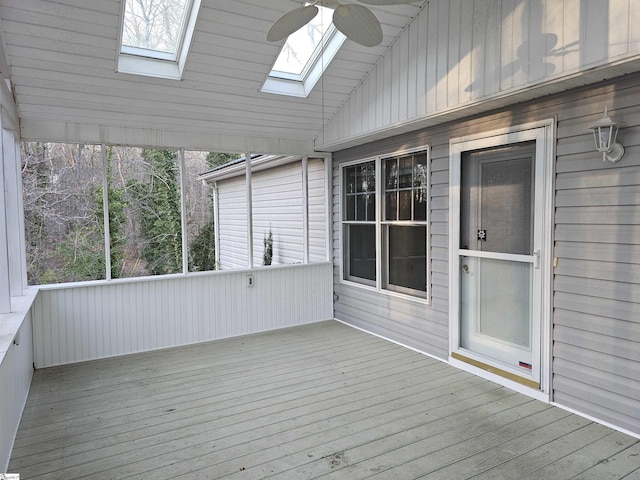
(151, 63)
(382, 227)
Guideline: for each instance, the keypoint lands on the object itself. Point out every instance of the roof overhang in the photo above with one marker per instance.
(238, 167)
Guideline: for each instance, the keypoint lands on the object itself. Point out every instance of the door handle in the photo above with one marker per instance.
(536, 259)
(465, 269)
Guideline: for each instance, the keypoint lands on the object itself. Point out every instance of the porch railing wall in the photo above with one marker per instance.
(16, 370)
(75, 323)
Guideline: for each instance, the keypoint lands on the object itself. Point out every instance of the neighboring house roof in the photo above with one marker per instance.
(237, 167)
(225, 166)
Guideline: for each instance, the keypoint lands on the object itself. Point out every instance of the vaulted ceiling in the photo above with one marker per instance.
(61, 57)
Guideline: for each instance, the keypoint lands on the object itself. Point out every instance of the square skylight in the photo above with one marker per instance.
(304, 56)
(156, 36)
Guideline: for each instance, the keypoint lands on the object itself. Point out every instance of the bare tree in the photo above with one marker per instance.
(64, 218)
(153, 24)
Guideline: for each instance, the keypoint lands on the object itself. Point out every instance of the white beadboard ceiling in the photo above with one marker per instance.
(61, 56)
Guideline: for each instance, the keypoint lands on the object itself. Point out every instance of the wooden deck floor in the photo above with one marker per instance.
(323, 400)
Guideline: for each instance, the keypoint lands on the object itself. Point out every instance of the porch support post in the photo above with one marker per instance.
(249, 201)
(183, 212)
(328, 197)
(5, 284)
(305, 209)
(105, 210)
(14, 211)
(216, 226)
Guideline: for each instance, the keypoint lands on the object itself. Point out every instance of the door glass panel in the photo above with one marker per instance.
(495, 309)
(506, 206)
(497, 201)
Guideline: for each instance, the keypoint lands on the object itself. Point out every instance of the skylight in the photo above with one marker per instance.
(156, 35)
(304, 56)
(301, 45)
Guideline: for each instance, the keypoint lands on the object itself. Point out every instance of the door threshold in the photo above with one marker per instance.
(497, 375)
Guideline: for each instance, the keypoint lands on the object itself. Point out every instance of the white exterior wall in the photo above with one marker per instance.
(465, 56)
(16, 370)
(277, 204)
(15, 212)
(232, 224)
(5, 279)
(16, 350)
(277, 195)
(317, 211)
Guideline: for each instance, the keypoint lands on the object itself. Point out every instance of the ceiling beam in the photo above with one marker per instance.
(9, 110)
(70, 132)
(4, 65)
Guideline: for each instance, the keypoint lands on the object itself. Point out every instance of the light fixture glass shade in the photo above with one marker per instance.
(605, 132)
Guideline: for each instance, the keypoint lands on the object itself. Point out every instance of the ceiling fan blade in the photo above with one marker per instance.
(290, 22)
(359, 24)
(386, 2)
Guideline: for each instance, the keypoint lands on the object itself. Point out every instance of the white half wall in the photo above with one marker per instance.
(16, 370)
(79, 322)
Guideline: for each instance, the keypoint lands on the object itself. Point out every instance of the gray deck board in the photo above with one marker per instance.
(319, 401)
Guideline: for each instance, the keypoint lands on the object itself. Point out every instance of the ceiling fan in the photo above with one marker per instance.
(357, 22)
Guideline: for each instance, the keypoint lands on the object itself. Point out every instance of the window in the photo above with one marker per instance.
(304, 56)
(405, 223)
(360, 223)
(156, 36)
(302, 46)
(387, 249)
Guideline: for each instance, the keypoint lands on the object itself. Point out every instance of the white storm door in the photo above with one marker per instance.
(497, 247)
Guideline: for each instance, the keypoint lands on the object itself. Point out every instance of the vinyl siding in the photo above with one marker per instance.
(597, 280)
(317, 211)
(277, 195)
(232, 214)
(480, 54)
(596, 285)
(277, 205)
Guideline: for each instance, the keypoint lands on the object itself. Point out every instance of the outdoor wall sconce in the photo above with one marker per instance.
(605, 132)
